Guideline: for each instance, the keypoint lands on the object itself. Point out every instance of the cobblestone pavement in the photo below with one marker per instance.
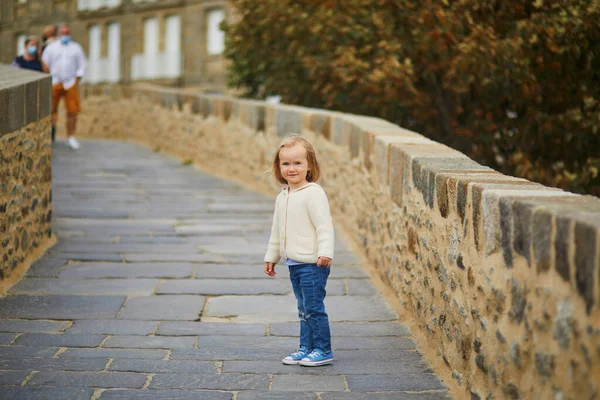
(155, 290)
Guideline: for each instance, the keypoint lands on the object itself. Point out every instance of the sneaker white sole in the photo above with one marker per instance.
(316, 363)
(290, 362)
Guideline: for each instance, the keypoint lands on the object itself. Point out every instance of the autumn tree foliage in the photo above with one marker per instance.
(513, 83)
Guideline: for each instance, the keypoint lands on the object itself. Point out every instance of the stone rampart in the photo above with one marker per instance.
(499, 276)
(25, 170)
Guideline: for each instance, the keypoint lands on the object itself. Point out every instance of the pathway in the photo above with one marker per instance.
(155, 290)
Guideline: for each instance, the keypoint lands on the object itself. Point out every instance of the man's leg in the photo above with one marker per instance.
(54, 121)
(73, 108)
(57, 92)
(71, 124)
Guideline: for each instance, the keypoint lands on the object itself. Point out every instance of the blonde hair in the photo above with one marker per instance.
(314, 171)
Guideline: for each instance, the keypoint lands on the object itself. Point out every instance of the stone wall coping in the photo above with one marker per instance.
(25, 97)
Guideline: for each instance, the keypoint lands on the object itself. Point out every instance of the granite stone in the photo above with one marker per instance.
(149, 342)
(183, 307)
(88, 379)
(60, 307)
(45, 393)
(198, 381)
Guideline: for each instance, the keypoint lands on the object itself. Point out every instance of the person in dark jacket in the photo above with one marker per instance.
(29, 59)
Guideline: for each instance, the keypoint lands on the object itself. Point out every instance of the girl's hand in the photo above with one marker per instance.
(324, 262)
(270, 268)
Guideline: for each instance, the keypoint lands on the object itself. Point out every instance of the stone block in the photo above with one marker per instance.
(149, 342)
(142, 287)
(210, 329)
(113, 353)
(224, 286)
(168, 394)
(362, 383)
(6, 338)
(88, 379)
(288, 120)
(398, 173)
(13, 377)
(337, 128)
(45, 97)
(183, 307)
(506, 230)
(320, 123)
(47, 339)
(541, 231)
(295, 383)
(138, 257)
(12, 101)
(264, 395)
(252, 114)
(28, 351)
(265, 353)
(562, 241)
(215, 382)
(164, 366)
(130, 271)
(523, 228)
(44, 393)
(20, 326)
(382, 153)
(53, 364)
(60, 307)
(112, 327)
(31, 102)
(435, 395)
(586, 261)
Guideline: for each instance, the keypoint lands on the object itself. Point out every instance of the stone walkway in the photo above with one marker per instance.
(155, 290)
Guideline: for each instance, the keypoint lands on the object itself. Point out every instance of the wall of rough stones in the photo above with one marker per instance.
(499, 276)
(25, 171)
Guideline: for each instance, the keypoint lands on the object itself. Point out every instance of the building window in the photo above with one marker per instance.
(21, 44)
(153, 63)
(172, 45)
(104, 69)
(215, 36)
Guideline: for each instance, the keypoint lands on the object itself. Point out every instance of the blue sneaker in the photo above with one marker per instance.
(317, 358)
(295, 357)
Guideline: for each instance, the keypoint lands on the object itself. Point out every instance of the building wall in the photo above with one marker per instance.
(198, 68)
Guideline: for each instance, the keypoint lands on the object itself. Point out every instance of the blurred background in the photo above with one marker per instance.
(514, 84)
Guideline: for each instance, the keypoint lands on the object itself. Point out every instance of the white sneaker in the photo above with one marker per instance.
(73, 143)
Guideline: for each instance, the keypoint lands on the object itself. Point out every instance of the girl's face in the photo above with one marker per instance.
(294, 165)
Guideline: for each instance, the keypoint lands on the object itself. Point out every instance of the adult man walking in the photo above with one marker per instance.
(65, 61)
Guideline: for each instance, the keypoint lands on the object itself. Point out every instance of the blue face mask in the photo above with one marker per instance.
(32, 50)
(65, 39)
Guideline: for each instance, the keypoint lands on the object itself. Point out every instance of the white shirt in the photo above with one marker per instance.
(65, 61)
(302, 227)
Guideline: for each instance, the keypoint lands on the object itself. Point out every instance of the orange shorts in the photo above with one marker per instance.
(71, 98)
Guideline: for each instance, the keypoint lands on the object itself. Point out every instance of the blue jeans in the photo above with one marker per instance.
(308, 281)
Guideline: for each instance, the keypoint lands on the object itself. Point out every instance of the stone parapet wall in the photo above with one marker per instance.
(499, 276)
(25, 171)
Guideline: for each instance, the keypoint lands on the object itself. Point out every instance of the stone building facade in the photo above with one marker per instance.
(175, 42)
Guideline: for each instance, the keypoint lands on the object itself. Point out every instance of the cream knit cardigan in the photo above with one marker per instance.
(302, 227)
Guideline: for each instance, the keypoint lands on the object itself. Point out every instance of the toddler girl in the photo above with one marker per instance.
(302, 235)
